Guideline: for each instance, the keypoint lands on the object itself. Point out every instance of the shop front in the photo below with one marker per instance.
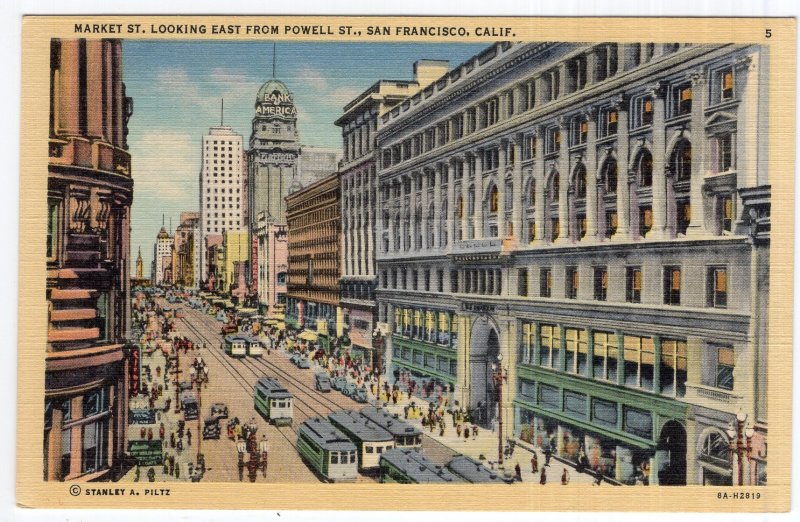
(626, 438)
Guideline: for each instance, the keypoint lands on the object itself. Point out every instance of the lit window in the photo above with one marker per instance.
(600, 283)
(633, 284)
(572, 281)
(672, 285)
(717, 287)
(725, 364)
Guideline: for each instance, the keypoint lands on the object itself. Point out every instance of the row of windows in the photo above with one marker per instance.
(716, 284)
(405, 278)
(446, 365)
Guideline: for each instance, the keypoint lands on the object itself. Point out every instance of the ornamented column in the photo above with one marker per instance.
(518, 203)
(403, 212)
(413, 202)
(658, 230)
(539, 177)
(451, 191)
(697, 220)
(68, 111)
(464, 199)
(623, 193)
(501, 189)
(437, 206)
(591, 173)
(479, 194)
(426, 217)
(563, 185)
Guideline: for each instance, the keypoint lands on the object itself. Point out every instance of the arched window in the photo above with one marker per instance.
(493, 200)
(609, 176)
(644, 169)
(554, 184)
(580, 181)
(681, 160)
(716, 449)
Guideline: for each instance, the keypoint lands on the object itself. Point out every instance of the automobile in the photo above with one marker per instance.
(322, 382)
(219, 410)
(338, 383)
(303, 363)
(211, 428)
(359, 395)
(349, 388)
(295, 358)
(185, 385)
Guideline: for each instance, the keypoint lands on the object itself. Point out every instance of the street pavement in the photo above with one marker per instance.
(231, 381)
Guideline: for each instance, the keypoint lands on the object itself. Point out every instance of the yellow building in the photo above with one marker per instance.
(235, 245)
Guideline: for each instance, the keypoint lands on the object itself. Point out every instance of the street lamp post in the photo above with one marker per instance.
(741, 441)
(499, 375)
(377, 344)
(199, 375)
(177, 378)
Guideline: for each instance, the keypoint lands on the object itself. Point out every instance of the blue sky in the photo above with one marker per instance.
(177, 88)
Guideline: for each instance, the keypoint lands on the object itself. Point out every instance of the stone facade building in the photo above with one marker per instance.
(589, 225)
(90, 190)
(314, 225)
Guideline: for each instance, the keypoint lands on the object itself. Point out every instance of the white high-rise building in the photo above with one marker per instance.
(221, 186)
(162, 258)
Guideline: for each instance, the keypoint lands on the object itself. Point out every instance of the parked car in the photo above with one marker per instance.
(322, 382)
(349, 388)
(360, 395)
(219, 410)
(295, 358)
(303, 362)
(338, 383)
(211, 428)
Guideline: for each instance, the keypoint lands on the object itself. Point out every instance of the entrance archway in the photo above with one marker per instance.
(671, 452)
(484, 349)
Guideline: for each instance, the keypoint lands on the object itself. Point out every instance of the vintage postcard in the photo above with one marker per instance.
(469, 258)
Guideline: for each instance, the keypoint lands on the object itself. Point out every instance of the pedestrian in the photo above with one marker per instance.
(466, 432)
(564, 477)
(534, 463)
(441, 429)
(543, 477)
(518, 472)
(548, 453)
(189, 436)
(241, 466)
(474, 432)
(172, 440)
(458, 430)
(405, 412)
(161, 431)
(264, 448)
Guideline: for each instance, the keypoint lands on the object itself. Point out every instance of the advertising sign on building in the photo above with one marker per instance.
(146, 452)
(142, 416)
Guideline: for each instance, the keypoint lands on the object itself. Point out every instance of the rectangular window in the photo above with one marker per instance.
(576, 350)
(600, 283)
(549, 396)
(638, 422)
(717, 287)
(725, 213)
(608, 122)
(95, 444)
(575, 404)
(724, 148)
(611, 223)
(722, 86)
(725, 365)
(672, 285)
(550, 346)
(604, 412)
(527, 389)
(578, 131)
(641, 112)
(606, 356)
(673, 367)
(53, 225)
(545, 282)
(427, 280)
(633, 284)
(645, 220)
(522, 282)
(639, 362)
(553, 141)
(440, 281)
(684, 216)
(571, 280)
(454, 281)
(680, 99)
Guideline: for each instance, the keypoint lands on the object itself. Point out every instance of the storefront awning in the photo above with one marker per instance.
(307, 336)
(281, 326)
(271, 321)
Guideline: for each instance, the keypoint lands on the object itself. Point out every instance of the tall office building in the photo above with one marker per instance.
(221, 187)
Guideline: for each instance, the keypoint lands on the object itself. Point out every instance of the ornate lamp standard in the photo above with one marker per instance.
(499, 375)
(199, 375)
(741, 441)
(375, 357)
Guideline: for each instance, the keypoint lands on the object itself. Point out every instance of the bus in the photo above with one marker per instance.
(327, 450)
(273, 401)
(370, 439)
